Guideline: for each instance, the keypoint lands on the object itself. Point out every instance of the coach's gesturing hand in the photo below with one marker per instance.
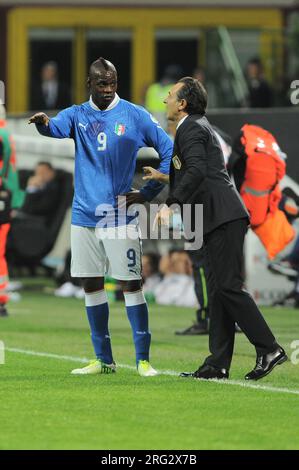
(39, 118)
(152, 174)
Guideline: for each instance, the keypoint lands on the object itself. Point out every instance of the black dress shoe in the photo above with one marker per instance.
(266, 363)
(207, 372)
(195, 329)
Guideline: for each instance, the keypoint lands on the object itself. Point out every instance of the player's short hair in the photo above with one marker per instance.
(101, 64)
(195, 95)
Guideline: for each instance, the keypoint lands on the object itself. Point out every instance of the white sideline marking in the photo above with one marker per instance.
(267, 388)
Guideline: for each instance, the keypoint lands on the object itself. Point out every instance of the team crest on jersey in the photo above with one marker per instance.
(176, 162)
(119, 129)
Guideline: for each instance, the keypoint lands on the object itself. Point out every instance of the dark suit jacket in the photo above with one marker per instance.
(260, 94)
(198, 175)
(38, 99)
(43, 203)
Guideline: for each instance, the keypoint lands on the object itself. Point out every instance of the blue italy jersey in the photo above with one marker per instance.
(106, 145)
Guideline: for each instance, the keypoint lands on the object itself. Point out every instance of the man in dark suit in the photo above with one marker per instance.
(43, 193)
(50, 92)
(198, 176)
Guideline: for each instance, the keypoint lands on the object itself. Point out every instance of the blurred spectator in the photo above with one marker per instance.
(35, 227)
(11, 197)
(200, 74)
(68, 286)
(156, 93)
(177, 286)
(260, 92)
(289, 265)
(289, 204)
(150, 272)
(42, 194)
(50, 92)
(32, 223)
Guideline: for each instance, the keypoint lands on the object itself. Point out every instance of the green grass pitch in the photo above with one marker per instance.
(43, 407)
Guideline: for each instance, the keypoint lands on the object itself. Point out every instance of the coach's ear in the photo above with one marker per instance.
(183, 105)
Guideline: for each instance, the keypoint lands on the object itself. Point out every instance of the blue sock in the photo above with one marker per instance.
(98, 315)
(138, 316)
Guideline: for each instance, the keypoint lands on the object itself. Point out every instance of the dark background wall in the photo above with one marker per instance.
(283, 123)
(3, 44)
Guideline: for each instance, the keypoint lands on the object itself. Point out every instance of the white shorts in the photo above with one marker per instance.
(114, 251)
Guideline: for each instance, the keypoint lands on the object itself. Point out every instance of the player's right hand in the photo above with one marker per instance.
(39, 118)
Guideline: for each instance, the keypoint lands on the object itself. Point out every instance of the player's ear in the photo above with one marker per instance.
(88, 82)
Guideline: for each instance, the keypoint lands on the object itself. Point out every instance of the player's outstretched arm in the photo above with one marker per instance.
(39, 118)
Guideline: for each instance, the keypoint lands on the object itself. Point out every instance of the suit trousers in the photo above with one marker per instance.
(229, 301)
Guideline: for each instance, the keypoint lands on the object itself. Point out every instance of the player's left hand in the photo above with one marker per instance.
(133, 197)
(163, 217)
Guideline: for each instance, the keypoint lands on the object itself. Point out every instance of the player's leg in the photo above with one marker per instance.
(89, 263)
(124, 256)
(137, 312)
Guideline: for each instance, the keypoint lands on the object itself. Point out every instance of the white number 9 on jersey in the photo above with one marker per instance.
(102, 140)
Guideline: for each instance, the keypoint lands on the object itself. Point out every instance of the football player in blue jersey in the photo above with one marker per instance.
(108, 131)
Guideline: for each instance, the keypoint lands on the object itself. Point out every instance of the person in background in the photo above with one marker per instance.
(68, 286)
(199, 74)
(150, 272)
(260, 92)
(156, 91)
(50, 93)
(42, 193)
(11, 197)
(176, 287)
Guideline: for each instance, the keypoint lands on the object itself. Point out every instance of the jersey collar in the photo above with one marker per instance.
(112, 105)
